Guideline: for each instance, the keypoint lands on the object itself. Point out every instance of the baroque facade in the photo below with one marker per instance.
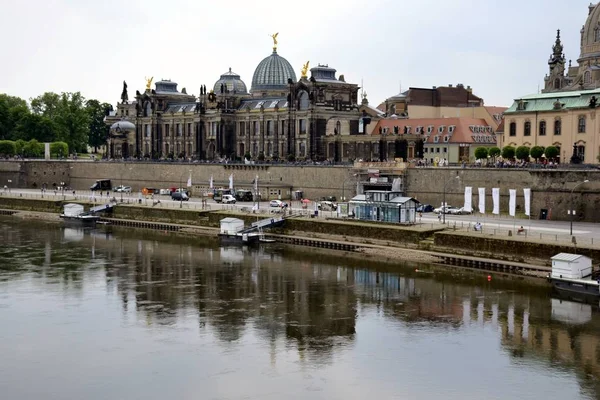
(314, 118)
(565, 114)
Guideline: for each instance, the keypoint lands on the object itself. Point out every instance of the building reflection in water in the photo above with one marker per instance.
(304, 304)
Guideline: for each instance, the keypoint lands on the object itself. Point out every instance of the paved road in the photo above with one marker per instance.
(585, 232)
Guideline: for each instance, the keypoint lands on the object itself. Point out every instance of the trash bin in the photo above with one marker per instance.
(544, 213)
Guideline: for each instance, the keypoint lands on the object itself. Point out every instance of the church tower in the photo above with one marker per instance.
(555, 80)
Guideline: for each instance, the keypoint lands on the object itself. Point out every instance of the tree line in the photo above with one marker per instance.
(62, 119)
(523, 153)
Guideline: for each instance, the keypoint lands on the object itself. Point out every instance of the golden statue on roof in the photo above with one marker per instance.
(148, 82)
(274, 37)
(304, 70)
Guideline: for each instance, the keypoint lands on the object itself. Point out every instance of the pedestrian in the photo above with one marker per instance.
(440, 217)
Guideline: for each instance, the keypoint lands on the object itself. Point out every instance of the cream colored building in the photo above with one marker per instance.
(565, 113)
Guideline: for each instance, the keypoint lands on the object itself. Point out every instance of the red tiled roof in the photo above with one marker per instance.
(500, 128)
(466, 130)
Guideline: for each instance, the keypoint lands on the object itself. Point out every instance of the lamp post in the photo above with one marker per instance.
(572, 211)
(443, 208)
(62, 186)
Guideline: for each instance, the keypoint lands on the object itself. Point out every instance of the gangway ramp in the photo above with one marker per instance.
(264, 224)
(103, 207)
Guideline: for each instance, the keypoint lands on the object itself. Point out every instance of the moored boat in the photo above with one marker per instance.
(74, 215)
(574, 273)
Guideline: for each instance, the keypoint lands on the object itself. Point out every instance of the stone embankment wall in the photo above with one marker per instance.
(551, 189)
(507, 248)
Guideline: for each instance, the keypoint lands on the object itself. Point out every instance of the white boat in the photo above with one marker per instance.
(232, 232)
(74, 215)
(574, 273)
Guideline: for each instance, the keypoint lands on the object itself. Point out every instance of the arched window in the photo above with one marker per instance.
(338, 128)
(303, 102)
(527, 129)
(512, 129)
(581, 124)
(557, 127)
(542, 128)
(587, 77)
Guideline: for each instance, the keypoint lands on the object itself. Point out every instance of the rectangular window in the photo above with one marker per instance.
(302, 126)
(425, 150)
(437, 150)
(581, 125)
(167, 130)
(269, 128)
(445, 149)
(542, 128)
(178, 129)
(283, 124)
(242, 129)
(512, 129)
(189, 131)
(527, 129)
(256, 128)
(557, 127)
(148, 130)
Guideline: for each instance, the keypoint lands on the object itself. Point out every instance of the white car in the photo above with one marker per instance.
(458, 211)
(277, 203)
(228, 199)
(443, 209)
(123, 189)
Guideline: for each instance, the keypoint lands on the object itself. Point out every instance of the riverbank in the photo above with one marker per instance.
(418, 244)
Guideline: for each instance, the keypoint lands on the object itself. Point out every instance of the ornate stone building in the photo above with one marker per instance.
(281, 117)
(585, 75)
(565, 115)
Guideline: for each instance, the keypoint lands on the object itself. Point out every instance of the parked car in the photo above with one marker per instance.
(326, 206)
(179, 196)
(277, 203)
(101, 184)
(244, 195)
(228, 199)
(458, 211)
(425, 208)
(442, 209)
(121, 188)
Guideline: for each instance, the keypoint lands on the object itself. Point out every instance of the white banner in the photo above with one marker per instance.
(210, 182)
(527, 197)
(468, 199)
(512, 202)
(189, 181)
(496, 201)
(256, 185)
(482, 200)
(231, 181)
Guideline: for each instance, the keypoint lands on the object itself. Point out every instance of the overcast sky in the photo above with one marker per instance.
(500, 48)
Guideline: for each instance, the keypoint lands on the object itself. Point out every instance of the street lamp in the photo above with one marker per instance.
(62, 185)
(572, 211)
(443, 208)
(181, 190)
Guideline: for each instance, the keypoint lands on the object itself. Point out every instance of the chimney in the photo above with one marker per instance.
(450, 85)
(435, 87)
(469, 89)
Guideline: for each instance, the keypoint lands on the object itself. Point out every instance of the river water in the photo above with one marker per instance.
(138, 315)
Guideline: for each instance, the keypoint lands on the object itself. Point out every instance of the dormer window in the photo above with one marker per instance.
(451, 129)
(446, 138)
(522, 105)
(436, 139)
(441, 129)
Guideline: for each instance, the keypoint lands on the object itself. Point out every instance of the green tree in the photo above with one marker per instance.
(494, 152)
(20, 146)
(59, 149)
(98, 134)
(69, 113)
(40, 128)
(537, 152)
(508, 152)
(33, 148)
(481, 153)
(551, 152)
(12, 110)
(522, 153)
(7, 148)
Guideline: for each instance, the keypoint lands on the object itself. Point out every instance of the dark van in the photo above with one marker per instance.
(179, 196)
(244, 195)
(101, 184)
